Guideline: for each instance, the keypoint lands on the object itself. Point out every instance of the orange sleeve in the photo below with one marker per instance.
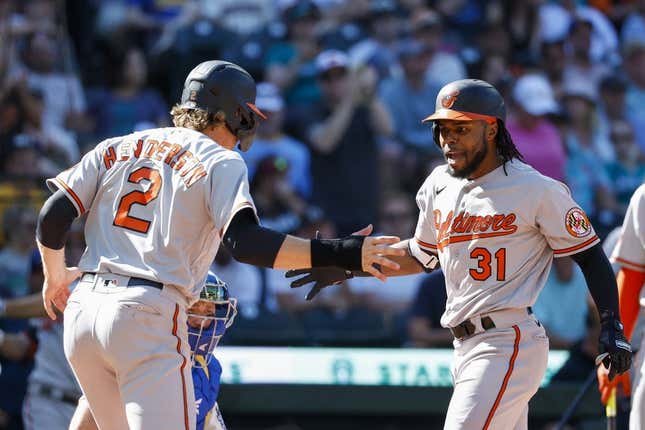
(630, 283)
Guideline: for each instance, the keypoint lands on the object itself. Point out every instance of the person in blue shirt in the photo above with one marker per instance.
(207, 321)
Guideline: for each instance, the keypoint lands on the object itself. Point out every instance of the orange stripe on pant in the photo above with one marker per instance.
(183, 365)
(511, 364)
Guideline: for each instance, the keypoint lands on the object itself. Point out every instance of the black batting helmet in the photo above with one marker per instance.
(217, 85)
(468, 100)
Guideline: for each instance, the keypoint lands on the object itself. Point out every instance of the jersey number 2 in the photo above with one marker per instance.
(123, 217)
(484, 264)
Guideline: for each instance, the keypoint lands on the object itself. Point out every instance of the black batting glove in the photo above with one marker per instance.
(615, 350)
(321, 277)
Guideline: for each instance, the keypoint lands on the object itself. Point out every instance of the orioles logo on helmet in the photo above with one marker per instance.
(449, 99)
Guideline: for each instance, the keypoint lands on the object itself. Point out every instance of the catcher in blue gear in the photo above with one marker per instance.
(208, 319)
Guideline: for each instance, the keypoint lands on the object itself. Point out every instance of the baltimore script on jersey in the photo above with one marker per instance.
(185, 162)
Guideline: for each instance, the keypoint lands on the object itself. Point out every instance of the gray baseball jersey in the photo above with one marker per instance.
(159, 202)
(630, 249)
(496, 236)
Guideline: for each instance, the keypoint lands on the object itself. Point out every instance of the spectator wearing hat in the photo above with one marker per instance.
(342, 132)
(290, 64)
(444, 66)
(270, 140)
(378, 50)
(535, 135)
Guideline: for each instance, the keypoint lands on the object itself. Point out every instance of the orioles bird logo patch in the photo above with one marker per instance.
(449, 99)
(577, 223)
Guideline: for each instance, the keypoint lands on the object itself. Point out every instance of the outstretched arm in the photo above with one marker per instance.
(251, 243)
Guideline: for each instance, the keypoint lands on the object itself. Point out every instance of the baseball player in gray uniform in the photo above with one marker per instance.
(629, 254)
(495, 225)
(158, 203)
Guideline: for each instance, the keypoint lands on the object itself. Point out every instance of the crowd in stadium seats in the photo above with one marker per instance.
(345, 85)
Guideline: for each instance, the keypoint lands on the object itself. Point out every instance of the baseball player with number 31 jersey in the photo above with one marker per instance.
(495, 224)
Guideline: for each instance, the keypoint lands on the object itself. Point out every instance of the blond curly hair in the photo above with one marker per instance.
(195, 119)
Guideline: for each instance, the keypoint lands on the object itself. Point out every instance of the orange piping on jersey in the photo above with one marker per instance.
(183, 365)
(634, 266)
(173, 151)
(71, 192)
(511, 364)
(109, 157)
(161, 148)
(577, 247)
(425, 244)
(195, 175)
(468, 237)
(151, 148)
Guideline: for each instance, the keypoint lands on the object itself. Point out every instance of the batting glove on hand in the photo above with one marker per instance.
(615, 350)
(321, 277)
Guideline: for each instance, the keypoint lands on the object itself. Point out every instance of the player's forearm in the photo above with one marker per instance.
(295, 253)
(600, 279)
(53, 262)
(24, 307)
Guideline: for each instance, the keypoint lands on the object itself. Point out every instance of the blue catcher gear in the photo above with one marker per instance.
(209, 318)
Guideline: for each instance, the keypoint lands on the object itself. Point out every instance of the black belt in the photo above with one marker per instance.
(54, 393)
(132, 282)
(468, 328)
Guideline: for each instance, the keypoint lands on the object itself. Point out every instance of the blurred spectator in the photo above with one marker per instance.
(407, 98)
(562, 304)
(279, 207)
(24, 160)
(240, 16)
(270, 140)
(342, 131)
(635, 96)
(62, 91)
(424, 323)
(378, 50)
(633, 27)
(443, 66)
(612, 105)
(127, 101)
(553, 61)
(244, 279)
(290, 65)
(18, 224)
(535, 136)
(627, 172)
(587, 151)
(580, 63)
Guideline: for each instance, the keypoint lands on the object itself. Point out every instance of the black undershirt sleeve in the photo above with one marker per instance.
(250, 243)
(54, 221)
(600, 278)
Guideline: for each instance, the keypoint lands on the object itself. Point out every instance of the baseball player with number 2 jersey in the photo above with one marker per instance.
(629, 254)
(159, 203)
(495, 224)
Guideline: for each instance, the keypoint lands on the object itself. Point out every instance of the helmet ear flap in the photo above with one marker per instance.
(435, 134)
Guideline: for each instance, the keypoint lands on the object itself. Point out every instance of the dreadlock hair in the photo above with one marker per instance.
(505, 146)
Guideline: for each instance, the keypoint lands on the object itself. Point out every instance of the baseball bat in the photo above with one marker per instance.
(610, 410)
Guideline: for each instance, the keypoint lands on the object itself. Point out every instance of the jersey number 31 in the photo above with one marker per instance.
(123, 217)
(484, 264)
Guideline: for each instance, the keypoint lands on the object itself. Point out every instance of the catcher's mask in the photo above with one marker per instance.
(222, 86)
(209, 318)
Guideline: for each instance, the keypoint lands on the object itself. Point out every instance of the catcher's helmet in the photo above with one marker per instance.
(209, 318)
(222, 86)
(467, 100)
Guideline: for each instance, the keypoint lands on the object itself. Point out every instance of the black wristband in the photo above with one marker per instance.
(345, 252)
